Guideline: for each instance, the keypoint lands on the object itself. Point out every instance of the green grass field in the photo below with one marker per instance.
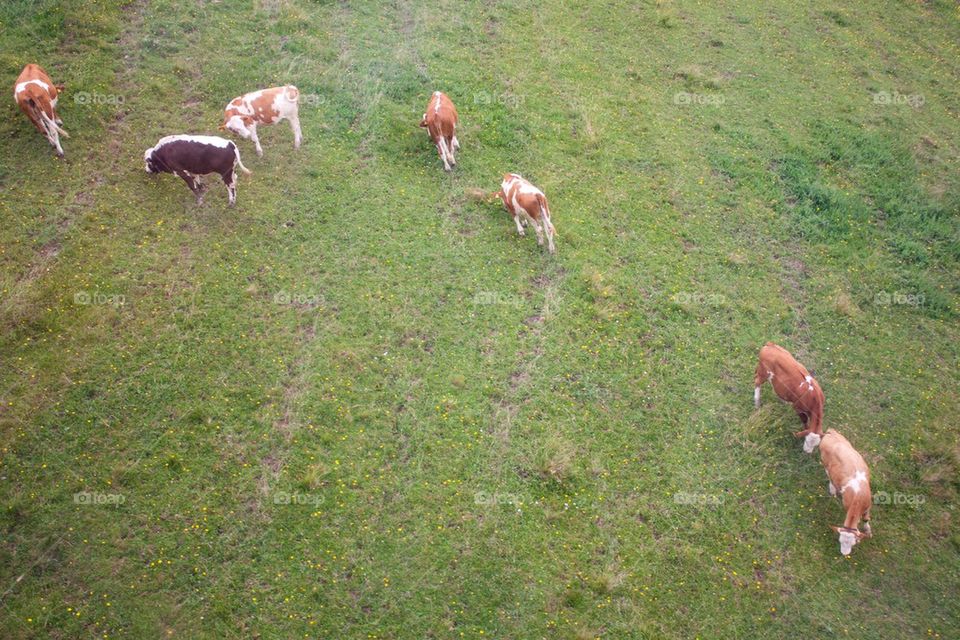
(359, 405)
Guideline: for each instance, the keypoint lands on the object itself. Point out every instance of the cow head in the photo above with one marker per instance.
(238, 124)
(423, 121)
(811, 442)
(850, 537)
(148, 163)
(153, 164)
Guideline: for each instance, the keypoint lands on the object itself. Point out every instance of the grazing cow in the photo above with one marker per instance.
(440, 121)
(37, 96)
(267, 106)
(527, 204)
(848, 474)
(793, 383)
(193, 156)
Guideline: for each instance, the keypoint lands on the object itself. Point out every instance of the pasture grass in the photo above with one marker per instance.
(358, 405)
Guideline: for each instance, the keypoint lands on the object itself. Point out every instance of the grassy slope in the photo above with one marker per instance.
(689, 235)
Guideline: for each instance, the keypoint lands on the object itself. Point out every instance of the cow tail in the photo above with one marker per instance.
(545, 212)
(236, 153)
(42, 108)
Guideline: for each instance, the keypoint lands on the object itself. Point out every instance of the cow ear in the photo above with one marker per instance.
(836, 529)
(247, 120)
(222, 127)
(423, 122)
(60, 87)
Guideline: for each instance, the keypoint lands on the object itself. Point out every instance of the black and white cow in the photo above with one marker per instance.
(191, 157)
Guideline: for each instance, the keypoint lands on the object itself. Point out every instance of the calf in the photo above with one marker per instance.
(793, 383)
(848, 474)
(440, 121)
(527, 205)
(37, 96)
(267, 106)
(193, 156)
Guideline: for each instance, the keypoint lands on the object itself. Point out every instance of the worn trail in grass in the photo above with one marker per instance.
(358, 405)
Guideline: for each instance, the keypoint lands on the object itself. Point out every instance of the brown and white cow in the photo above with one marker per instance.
(266, 106)
(37, 96)
(193, 156)
(440, 121)
(527, 205)
(794, 384)
(847, 473)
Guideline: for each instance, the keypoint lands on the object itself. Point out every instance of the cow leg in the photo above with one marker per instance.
(193, 183)
(442, 150)
(456, 143)
(520, 230)
(833, 489)
(537, 227)
(759, 376)
(450, 147)
(55, 141)
(297, 133)
(256, 141)
(231, 181)
(804, 418)
(49, 129)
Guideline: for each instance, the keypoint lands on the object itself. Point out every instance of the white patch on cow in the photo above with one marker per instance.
(854, 483)
(436, 105)
(847, 540)
(236, 125)
(811, 442)
(23, 86)
(770, 375)
(517, 209)
(831, 488)
(528, 189)
(215, 141)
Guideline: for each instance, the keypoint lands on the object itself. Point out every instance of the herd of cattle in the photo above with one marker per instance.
(192, 156)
